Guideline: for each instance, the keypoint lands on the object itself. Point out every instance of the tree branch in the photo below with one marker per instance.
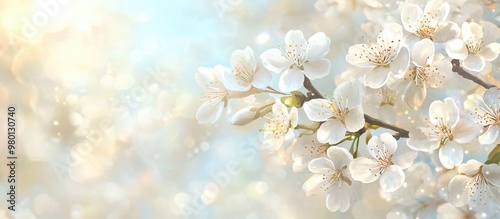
(458, 69)
(310, 87)
(401, 133)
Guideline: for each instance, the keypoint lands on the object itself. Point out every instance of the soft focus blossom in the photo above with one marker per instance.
(246, 72)
(215, 95)
(280, 126)
(298, 58)
(385, 162)
(444, 132)
(381, 57)
(485, 111)
(334, 7)
(340, 114)
(471, 49)
(331, 176)
(430, 23)
(427, 69)
(307, 149)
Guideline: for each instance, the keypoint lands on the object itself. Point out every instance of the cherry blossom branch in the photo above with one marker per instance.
(458, 69)
(401, 133)
(310, 87)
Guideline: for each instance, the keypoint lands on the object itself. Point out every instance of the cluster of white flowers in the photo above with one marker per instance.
(377, 126)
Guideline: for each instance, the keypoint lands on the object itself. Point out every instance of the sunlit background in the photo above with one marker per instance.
(106, 100)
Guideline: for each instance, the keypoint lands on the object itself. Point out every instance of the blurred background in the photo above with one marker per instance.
(106, 99)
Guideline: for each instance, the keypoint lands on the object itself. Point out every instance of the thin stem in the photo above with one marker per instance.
(274, 91)
(458, 69)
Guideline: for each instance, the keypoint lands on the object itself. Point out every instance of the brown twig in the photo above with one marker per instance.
(401, 133)
(310, 87)
(460, 71)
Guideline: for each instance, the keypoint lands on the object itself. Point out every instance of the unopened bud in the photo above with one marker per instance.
(244, 116)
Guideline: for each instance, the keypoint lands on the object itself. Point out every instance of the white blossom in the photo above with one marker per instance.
(215, 95)
(246, 72)
(445, 131)
(340, 114)
(485, 111)
(385, 162)
(298, 58)
(280, 126)
(331, 177)
(382, 57)
(471, 49)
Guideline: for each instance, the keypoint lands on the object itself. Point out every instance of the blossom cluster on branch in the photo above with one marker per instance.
(360, 134)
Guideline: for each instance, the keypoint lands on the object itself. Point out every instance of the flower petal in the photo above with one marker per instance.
(490, 51)
(392, 178)
(490, 135)
(401, 63)
(420, 141)
(492, 173)
(465, 131)
(364, 170)
(445, 112)
(471, 168)
(339, 197)
(451, 154)
(291, 80)
(446, 32)
(410, 14)
(318, 46)
(317, 68)
(456, 188)
(471, 30)
(314, 185)
(354, 119)
(318, 110)
(348, 94)
(391, 32)
(274, 60)
(415, 95)
(320, 165)
(355, 56)
(377, 78)
(339, 156)
(474, 63)
(404, 158)
(332, 131)
(422, 52)
(456, 49)
(438, 9)
(209, 112)
(261, 78)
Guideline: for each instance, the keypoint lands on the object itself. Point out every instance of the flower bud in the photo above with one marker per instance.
(244, 116)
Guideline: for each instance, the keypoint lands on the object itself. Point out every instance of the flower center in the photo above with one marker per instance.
(427, 26)
(243, 73)
(478, 189)
(387, 96)
(474, 44)
(487, 115)
(339, 107)
(214, 92)
(381, 54)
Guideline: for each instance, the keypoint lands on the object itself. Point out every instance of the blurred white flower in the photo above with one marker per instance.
(331, 176)
(246, 72)
(382, 57)
(299, 58)
(471, 49)
(334, 7)
(307, 149)
(384, 162)
(477, 185)
(280, 126)
(215, 94)
(382, 103)
(426, 70)
(340, 114)
(485, 111)
(430, 23)
(445, 131)
(245, 116)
